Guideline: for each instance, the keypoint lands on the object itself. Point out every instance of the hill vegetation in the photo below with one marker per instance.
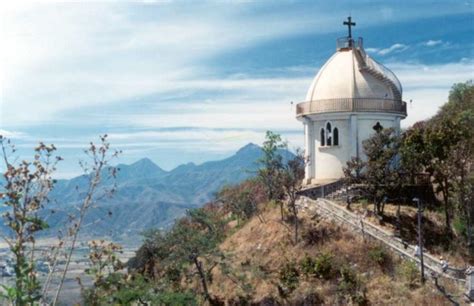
(251, 243)
(216, 257)
(436, 154)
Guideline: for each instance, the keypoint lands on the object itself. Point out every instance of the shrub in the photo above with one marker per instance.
(323, 266)
(408, 271)
(348, 280)
(268, 301)
(307, 265)
(242, 200)
(460, 226)
(289, 276)
(351, 286)
(378, 255)
(360, 298)
(315, 235)
(312, 298)
(175, 298)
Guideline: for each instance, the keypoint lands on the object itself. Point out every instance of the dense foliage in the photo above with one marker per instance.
(440, 149)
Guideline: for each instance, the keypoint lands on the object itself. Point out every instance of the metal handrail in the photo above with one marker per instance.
(387, 73)
(351, 105)
(456, 273)
(348, 43)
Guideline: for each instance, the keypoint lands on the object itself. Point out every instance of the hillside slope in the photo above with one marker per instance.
(357, 271)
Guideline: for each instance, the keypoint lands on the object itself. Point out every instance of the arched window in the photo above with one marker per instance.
(323, 138)
(328, 134)
(335, 135)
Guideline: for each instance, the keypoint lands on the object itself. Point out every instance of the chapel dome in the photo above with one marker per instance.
(351, 73)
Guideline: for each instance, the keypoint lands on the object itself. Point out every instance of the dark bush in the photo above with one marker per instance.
(289, 277)
(310, 299)
(323, 266)
(350, 286)
(267, 301)
(379, 255)
(307, 266)
(315, 235)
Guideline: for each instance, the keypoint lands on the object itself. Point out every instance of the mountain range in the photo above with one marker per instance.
(147, 196)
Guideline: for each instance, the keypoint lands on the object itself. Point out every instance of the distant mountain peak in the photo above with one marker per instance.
(250, 147)
(146, 163)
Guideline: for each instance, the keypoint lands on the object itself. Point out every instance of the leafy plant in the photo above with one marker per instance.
(289, 276)
(242, 200)
(315, 235)
(292, 177)
(98, 163)
(409, 272)
(23, 194)
(271, 163)
(104, 269)
(350, 285)
(307, 265)
(320, 266)
(323, 265)
(378, 255)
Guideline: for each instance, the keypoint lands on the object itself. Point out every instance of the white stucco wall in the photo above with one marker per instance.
(329, 160)
(365, 127)
(353, 130)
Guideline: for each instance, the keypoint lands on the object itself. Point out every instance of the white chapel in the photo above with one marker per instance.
(351, 97)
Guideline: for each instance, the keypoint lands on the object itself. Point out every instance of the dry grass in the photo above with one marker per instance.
(259, 250)
(433, 230)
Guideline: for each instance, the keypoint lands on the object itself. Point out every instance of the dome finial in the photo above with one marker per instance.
(349, 24)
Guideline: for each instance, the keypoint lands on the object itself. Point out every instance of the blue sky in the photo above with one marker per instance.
(189, 81)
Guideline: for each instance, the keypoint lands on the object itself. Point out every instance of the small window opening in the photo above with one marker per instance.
(328, 134)
(335, 134)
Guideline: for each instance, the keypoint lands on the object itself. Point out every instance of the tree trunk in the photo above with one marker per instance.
(467, 208)
(446, 208)
(281, 211)
(202, 277)
(399, 220)
(295, 220)
(470, 215)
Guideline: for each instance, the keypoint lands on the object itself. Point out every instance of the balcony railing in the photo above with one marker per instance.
(352, 105)
(348, 43)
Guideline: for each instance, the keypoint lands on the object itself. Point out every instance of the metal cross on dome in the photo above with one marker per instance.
(349, 24)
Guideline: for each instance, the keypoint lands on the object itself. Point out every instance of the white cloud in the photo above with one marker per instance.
(372, 50)
(398, 47)
(58, 57)
(12, 134)
(428, 86)
(64, 56)
(432, 43)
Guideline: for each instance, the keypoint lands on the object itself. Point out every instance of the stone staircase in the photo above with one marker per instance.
(376, 72)
(342, 216)
(380, 76)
